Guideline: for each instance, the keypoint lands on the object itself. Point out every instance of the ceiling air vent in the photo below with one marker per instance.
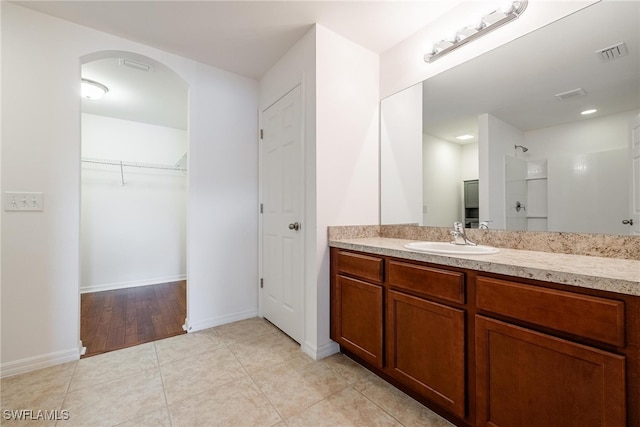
(137, 65)
(612, 52)
(570, 94)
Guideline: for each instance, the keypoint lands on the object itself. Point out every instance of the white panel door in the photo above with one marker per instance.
(634, 142)
(282, 235)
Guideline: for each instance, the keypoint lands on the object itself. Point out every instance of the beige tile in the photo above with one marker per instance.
(345, 408)
(186, 345)
(297, 384)
(398, 404)
(187, 377)
(157, 418)
(265, 351)
(206, 382)
(211, 332)
(239, 403)
(37, 389)
(245, 330)
(118, 400)
(349, 370)
(116, 364)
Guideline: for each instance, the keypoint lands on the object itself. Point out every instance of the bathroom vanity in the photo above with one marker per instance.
(547, 333)
(518, 338)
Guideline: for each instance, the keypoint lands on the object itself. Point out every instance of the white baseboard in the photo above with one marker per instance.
(38, 362)
(198, 325)
(318, 353)
(131, 284)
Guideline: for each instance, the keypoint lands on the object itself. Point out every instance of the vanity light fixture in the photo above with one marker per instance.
(92, 90)
(465, 137)
(488, 23)
(589, 111)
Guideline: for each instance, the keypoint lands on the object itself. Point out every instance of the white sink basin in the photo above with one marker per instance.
(451, 249)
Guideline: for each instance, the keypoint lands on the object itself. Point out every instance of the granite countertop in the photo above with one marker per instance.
(607, 274)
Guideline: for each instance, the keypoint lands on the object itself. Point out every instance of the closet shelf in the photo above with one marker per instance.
(180, 166)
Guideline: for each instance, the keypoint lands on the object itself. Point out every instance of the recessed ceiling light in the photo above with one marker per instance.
(590, 111)
(464, 137)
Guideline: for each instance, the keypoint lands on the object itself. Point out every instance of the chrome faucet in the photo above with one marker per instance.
(459, 236)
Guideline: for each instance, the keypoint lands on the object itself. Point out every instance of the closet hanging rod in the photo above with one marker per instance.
(132, 164)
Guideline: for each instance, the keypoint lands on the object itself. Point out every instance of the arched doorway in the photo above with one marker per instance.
(133, 202)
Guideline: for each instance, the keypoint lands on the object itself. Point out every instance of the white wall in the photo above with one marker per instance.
(134, 233)
(515, 186)
(403, 65)
(222, 211)
(470, 165)
(443, 186)
(401, 160)
(41, 58)
(347, 158)
(503, 137)
(118, 139)
(585, 136)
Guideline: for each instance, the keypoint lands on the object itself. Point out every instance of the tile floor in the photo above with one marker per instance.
(246, 373)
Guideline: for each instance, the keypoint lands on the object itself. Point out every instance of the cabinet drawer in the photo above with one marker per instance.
(361, 266)
(427, 281)
(595, 318)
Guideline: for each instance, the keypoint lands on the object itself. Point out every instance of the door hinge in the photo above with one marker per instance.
(261, 134)
(261, 283)
(261, 208)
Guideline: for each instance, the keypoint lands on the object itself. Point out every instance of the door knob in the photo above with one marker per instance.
(294, 226)
(627, 221)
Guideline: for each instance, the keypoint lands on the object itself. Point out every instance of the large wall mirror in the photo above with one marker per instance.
(501, 138)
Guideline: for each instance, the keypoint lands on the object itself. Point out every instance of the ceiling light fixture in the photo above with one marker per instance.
(92, 90)
(589, 111)
(464, 137)
(488, 23)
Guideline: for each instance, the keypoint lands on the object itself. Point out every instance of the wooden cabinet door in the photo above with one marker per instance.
(357, 316)
(525, 378)
(425, 349)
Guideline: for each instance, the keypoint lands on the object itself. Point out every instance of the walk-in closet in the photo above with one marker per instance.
(133, 202)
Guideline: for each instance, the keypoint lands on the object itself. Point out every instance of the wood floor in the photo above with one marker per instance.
(115, 319)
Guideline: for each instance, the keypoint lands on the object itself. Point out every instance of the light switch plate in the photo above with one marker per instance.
(23, 201)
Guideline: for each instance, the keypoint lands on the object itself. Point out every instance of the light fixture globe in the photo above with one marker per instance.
(92, 90)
